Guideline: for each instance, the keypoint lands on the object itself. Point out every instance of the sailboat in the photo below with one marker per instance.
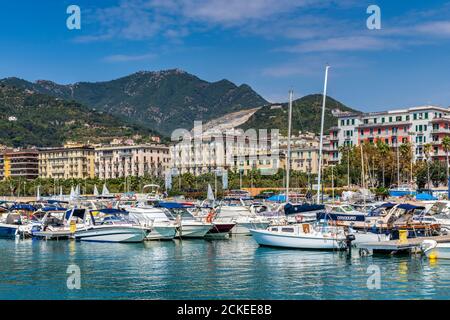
(96, 191)
(303, 235)
(105, 191)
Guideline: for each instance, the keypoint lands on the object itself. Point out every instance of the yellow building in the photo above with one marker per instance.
(71, 161)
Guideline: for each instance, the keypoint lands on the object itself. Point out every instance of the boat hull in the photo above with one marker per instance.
(194, 230)
(434, 250)
(243, 228)
(162, 233)
(112, 234)
(267, 238)
(8, 231)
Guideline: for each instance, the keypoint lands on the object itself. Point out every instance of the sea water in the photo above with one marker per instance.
(199, 269)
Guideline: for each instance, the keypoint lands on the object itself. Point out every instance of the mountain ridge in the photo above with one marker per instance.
(161, 100)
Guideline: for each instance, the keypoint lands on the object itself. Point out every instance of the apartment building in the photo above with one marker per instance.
(131, 160)
(19, 163)
(211, 151)
(417, 125)
(72, 161)
(236, 152)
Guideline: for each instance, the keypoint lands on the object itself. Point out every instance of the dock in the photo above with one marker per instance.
(394, 246)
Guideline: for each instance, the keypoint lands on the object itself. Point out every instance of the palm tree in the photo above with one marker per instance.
(446, 146)
(383, 151)
(427, 149)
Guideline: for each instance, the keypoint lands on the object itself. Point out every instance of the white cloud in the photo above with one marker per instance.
(128, 58)
(351, 43)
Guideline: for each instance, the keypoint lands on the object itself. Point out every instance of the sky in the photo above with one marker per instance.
(271, 45)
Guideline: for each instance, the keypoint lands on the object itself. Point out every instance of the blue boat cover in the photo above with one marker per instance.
(22, 206)
(112, 211)
(52, 208)
(173, 205)
(277, 198)
(425, 196)
(408, 207)
(299, 208)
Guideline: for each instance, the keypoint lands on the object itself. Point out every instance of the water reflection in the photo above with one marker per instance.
(234, 269)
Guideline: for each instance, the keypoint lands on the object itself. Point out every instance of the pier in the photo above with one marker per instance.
(394, 246)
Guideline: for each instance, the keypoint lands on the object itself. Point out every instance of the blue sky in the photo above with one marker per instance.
(272, 45)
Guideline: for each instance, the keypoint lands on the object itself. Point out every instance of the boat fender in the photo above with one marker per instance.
(305, 228)
(299, 218)
(210, 216)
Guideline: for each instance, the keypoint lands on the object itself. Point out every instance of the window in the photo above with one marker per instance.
(348, 122)
(415, 116)
(407, 118)
(366, 121)
(342, 122)
(426, 115)
(390, 119)
(398, 118)
(382, 120)
(353, 121)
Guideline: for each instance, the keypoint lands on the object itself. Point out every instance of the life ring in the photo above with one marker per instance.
(299, 218)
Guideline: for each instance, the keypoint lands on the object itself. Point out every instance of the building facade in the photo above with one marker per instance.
(232, 151)
(417, 125)
(19, 163)
(131, 160)
(68, 162)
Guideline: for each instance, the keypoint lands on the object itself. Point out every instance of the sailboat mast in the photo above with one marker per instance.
(288, 156)
(398, 166)
(321, 133)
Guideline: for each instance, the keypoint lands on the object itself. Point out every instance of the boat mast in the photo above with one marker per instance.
(398, 165)
(288, 156)
(321, 133)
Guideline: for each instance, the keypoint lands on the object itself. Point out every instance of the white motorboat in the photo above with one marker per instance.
(434, 250)
(191, 227)
(236, 211)
(60, 223)
(301, 236)
(162, 228)
(438, 213)
(112, 225)
(112, 233)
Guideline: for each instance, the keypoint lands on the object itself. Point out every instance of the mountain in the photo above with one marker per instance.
(306, 115)
(162, 100)
(28, 118)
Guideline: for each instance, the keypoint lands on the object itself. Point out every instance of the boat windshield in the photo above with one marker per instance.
(343, 209)
(439, 208)
(183, 212)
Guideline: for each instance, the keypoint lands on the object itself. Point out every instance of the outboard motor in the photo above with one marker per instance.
(348, 241)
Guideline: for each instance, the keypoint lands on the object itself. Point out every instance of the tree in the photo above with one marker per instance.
(446, 147)
(383, 151)
(427, 149)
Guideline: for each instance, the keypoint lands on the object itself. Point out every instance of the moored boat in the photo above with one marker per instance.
(434, 250)
(301, 236)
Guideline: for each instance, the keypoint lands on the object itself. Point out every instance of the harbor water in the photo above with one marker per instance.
(223, 269)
